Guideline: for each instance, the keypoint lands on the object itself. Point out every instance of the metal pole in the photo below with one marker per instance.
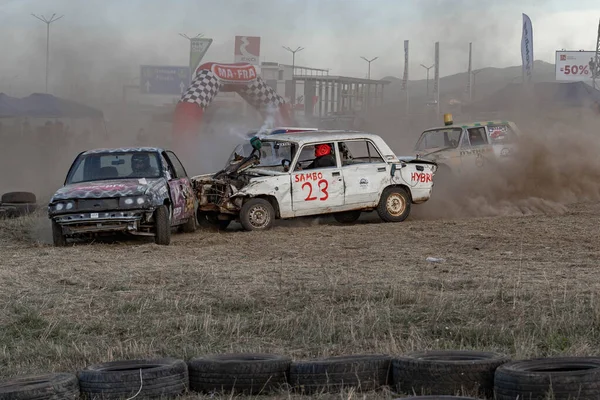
(474, 74)
(293, 68)
(369, 61)
(47, 22)
(427, 68)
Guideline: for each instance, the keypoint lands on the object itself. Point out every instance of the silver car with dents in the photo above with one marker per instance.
(365, 175)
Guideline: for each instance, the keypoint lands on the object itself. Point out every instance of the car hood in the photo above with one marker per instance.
(108, 188)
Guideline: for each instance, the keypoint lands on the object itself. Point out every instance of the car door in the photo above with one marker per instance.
(474, 155)
(316, 191)
(180, 188)
(364, 171)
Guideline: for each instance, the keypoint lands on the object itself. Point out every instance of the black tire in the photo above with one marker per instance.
(563, 377)
(347, 217)
(58, 386)
(21, 209)
(363, 372)
(162, 226)
(257, 215)
(247, 373)
(209, 220)
(394, 204)
(58, 238)
(18, 197)
(441, 397)
(121, 379)
(449, 372)
(190, 225)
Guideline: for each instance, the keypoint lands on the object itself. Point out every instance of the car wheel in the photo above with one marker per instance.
(190, 225)
(257, 215)
(58, 238)
(162, 226)
(347, 217)
(394, 205)
(210, 220)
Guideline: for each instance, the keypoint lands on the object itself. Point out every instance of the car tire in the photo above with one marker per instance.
(189, 226)
(347, 217)
(21, 209)
(209, 220)
(58, 238)
(257, 215)
(18, 197)
(162, 226)
(394, 204)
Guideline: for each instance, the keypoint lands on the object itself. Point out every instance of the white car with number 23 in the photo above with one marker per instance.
(278, 179)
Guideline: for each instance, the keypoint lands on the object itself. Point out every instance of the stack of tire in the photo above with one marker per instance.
(422, 375)
(17, 204)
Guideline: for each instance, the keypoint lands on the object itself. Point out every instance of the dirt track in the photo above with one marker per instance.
(524, 285)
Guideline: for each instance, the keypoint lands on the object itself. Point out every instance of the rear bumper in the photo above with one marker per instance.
(110, 221)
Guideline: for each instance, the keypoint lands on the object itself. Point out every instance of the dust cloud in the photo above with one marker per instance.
(556, 165)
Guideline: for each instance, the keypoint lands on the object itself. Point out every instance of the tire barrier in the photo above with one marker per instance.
(447, 375)
(17, 204)
(447, 372)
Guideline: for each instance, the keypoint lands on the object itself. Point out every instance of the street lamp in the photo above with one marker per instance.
(47, 22)
(189, 38)
(427, 68)
(293, 67)
(474, 74)
(369, 61)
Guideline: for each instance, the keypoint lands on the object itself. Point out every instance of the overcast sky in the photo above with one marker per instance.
(107, 40)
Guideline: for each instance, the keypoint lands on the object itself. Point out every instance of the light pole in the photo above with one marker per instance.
(369, 61)
(427, 68)
(293, 67)
(183, 35)
(47, 22)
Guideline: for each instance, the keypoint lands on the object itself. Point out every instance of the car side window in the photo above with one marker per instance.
(319, 155)
(359, 152)
(501, 134)
(177, 166)
(477, 136)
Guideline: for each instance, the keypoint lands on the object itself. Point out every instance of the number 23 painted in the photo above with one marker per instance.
(323, 186)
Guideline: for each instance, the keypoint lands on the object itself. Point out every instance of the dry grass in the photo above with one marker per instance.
(526, 286)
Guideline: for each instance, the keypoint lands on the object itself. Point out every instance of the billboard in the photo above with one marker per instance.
(247, 49)
(198, 48)
(574, 65)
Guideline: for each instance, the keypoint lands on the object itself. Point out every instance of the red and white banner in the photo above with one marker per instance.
(574, 65)
(247, 50)
(231, 73)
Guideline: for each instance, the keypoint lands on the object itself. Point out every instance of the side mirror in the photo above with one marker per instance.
(284, 162)
(393, 170)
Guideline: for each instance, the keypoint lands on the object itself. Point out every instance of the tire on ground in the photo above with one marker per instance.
(167, 377)
(56, 386)
(210, 220)
(394, 204)
(248, 373)
(21, 209)
(162, 226)
(18, 197)
(362, 372)
(447, 372)
(190, 225)
(559, 377)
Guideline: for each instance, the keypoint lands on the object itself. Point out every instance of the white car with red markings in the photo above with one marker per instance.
(364, 175)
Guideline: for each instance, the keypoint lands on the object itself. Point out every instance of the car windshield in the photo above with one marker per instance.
(271, 153)
(115, 165)
(439, 138)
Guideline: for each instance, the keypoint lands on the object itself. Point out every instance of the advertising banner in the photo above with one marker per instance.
(405, 77)
(247, 50)
(574, 65)
(198, 48)
(527, 49)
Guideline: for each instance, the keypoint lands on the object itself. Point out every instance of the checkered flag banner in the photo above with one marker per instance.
(203, 89)
(260, 95)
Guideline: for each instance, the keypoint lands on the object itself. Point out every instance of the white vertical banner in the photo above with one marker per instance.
(405, 77)
(527, 49)
(436, 77)
(469, 70)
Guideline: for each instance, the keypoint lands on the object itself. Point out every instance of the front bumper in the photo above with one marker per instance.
(106, 221)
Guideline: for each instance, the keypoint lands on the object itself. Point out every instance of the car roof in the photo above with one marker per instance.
(322, 135)
(122, 150)
(473, 124)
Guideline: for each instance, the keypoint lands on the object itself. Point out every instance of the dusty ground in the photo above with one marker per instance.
(522, 285)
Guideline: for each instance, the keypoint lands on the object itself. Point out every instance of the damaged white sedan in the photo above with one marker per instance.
(309, 174)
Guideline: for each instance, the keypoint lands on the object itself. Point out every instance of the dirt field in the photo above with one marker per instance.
(523, 285)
